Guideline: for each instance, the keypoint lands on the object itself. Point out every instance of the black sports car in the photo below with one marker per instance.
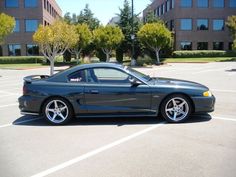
(107, 89)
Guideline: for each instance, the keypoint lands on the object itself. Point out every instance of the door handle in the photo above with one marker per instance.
(94, 91)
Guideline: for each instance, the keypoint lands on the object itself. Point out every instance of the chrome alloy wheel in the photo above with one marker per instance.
(177, 109)
(56, 111)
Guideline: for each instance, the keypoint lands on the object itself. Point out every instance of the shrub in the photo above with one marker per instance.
(119, 55)
(101, 55)
(146, 60)
(21, 59)
(202, 53)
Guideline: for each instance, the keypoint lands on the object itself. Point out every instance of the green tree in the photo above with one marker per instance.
(83, 40)
(151, 18)
(108, 38)
(86, 16)
(231, 24)
(7, 24)
(125, 23)
(155, 36)
(54, 40)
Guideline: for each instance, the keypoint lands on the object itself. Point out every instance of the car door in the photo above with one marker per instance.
(109, 91)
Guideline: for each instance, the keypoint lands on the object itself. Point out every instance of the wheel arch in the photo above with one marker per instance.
(56, 96)
(179, 93)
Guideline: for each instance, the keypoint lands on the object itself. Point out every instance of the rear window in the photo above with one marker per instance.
(78, 76)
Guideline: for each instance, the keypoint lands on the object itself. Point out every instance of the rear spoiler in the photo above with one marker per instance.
(31, 78)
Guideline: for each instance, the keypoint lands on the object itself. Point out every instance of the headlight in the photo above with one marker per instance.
(207, 94)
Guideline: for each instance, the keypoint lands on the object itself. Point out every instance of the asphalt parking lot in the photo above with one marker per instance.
(204, 146)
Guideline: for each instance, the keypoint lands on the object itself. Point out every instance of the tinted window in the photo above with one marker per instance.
(31, 3)
(218, 3)
(202, 45)
(78, 76)
(12, 3)
(17, 26)
(172, 4)
(218, 25)
(232, 3)
(186, 3)
(110, 76)
(186, 45)
(32, 49)
(202, 24)
(218, 46)
(186, 24)
(0, 50)
(202, 3)
(230, 45)
(14, 50)
(168, 5)
(31, 25)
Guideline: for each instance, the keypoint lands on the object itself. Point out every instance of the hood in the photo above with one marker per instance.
(177, 83)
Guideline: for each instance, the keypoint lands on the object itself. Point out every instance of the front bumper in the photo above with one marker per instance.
(204, 104)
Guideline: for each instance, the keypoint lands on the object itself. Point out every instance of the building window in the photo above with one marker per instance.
(17, 26)
(12, 3)
(202, 45)
(202, 3)
(186, 3)
(47, 6)
(186, 24)
(44, 4)
(31, 25)
(14, 50)
(186, 45)
(163, 8)
(159, 11)
(172, 4)
(32, 50)
(230, 45)
(218, 46)
(218, 3)
(167, 5)
(218, 25)
(31, 3)
(202, 24)
(232, 3)
(0, 50)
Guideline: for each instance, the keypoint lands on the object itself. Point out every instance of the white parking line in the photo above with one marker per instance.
(210, 70)
(96, 151)
(20, 122)
(9, 105)
(227, 91)
(224, 118)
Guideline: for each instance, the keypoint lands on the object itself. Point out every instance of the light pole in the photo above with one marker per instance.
(133, 62)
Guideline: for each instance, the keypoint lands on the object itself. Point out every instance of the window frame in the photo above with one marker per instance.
(17, 6)
(14, 31)
(186, 42)
(213, 44)
(198, 29)
(231, 2)
(8, 46)
(202, 43)
(182, 5)
(36, 5)
(190, 25)
(218, 20)
(213, 4)
(202, 6)
(30, 25)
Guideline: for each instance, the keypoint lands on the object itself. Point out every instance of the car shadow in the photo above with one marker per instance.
(117, 121)
(231, 70)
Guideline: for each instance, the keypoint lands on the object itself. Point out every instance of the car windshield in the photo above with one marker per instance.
(139, 74)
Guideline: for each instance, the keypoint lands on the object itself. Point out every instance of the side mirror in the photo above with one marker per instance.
(134, 81)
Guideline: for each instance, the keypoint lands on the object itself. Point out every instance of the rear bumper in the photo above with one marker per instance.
(29, 105)
(204, 104)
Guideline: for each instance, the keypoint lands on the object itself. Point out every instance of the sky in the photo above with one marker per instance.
(104, 10)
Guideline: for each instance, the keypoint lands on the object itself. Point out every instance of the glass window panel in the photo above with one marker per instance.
(31, 3)
(218, 3)
(14, 50)
(202, 24)
(218, 25)
(218, 46)
(202, 3)
(186, 45)
(32, 50)
(186, 3)
(12, 3)
(17, 26)
(186, 24)
(202, 45)
(31, 25)
(232, 3)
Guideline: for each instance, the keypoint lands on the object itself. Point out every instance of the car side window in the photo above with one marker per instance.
(108, 76)
(78, 76)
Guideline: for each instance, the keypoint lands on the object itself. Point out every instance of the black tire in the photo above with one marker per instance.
(176, 108)
(57, 111)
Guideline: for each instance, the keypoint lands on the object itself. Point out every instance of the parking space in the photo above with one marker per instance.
(123, 147)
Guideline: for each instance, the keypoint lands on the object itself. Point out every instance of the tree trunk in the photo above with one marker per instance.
(51, 66)
(77, 57)
(107, 56)
(157, 57)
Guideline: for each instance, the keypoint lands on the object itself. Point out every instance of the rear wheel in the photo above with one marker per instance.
(57, 111)
(176, 108)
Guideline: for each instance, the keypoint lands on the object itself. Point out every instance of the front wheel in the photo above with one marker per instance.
(57, 111)
(176, 108)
